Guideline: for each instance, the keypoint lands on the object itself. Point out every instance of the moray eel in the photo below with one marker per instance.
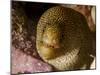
(63, 38)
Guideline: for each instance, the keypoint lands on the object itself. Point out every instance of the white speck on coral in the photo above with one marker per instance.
(39, 64)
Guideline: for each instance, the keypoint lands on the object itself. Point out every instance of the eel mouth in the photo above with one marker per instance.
(49, 51)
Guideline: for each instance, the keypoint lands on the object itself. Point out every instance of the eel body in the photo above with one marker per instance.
(63, 38)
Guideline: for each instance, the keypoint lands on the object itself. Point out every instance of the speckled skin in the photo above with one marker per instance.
(63, 39)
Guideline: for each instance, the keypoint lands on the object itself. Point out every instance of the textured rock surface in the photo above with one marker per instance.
(22, 63)
(23, 52)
